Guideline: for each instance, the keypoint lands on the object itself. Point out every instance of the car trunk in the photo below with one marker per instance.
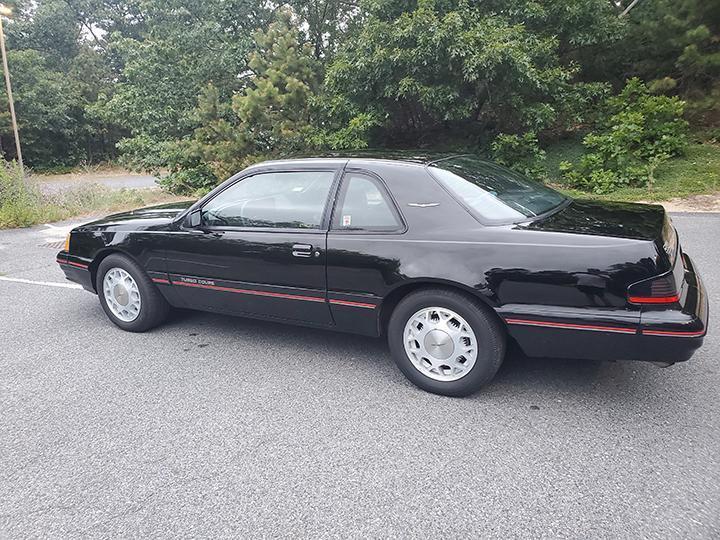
(622, 220)
(625, 220)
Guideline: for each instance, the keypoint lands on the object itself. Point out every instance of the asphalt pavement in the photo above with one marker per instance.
(220, 427)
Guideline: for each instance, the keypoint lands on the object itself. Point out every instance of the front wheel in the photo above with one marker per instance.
(128, 296)
(446, 342)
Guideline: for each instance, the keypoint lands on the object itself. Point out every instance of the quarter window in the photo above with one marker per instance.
(364, 205)
(293, 200)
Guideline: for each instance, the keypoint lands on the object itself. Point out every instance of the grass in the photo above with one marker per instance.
(23, 204)
(695, 173)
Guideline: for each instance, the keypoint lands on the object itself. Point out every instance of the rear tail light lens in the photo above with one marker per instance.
(664, 289)
(660, 290)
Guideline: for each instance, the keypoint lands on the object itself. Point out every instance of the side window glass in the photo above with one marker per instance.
(293, 200)
(364, 205)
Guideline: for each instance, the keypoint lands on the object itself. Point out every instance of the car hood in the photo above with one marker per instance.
(621, 220)
(142, 217)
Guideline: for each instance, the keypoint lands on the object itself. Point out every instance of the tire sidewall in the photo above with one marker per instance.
(488, 333)
(143, 320)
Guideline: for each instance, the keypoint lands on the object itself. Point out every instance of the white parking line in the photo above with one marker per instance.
(46, 283)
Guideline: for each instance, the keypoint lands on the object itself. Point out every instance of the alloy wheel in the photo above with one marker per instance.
(122, 294)
(440, 344)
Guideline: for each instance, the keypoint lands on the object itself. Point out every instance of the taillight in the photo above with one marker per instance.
(664, 289)
(660, 290)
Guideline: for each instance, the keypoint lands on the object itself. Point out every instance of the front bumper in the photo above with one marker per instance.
(76, 269)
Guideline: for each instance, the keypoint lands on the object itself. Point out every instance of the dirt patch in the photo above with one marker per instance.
(694, 203)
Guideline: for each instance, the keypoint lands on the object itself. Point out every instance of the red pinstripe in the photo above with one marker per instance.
(673, 333)
(71, 263)
(571, 326)
(353, 304)
(251, 292)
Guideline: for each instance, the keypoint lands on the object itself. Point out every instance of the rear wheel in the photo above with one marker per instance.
(445, 342)
(128, 296)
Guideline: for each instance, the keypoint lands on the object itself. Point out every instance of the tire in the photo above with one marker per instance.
(446, 365)
(153, 308)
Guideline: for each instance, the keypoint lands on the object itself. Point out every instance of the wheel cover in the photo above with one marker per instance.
(440, 344)
(122, 295)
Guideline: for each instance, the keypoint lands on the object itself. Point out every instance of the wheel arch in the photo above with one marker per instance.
(99, 257)
(393, 298)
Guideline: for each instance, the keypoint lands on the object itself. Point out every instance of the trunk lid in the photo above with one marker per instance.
(642, 222)
(620, 220)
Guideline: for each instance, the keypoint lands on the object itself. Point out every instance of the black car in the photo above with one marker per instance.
(450, 258)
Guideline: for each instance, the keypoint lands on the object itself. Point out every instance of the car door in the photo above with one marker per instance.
(259, 248)
(362, 248)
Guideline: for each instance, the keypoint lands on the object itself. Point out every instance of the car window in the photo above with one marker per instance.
(364, 205)
(493, 192)
(277, 199)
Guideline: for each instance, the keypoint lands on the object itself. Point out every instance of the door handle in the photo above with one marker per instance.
(302, 250)
(206, 232)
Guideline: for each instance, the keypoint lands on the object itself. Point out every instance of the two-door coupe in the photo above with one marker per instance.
(449, 258)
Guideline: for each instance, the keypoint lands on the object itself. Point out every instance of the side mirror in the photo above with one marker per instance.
(193, 220)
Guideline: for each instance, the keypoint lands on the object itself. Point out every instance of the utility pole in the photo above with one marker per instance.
(627, 10)
(6, 11)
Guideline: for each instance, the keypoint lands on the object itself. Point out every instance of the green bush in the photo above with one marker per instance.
(520, 152)
(19, 200)
(198, 181)
(636, 132)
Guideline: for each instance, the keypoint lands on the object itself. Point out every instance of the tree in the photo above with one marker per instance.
(182, 48)
(327, 22)
(205, 87)
(49, 110)
(48, 27)
(273, 114)
(56, 78)
(677, 39)
(428, 66)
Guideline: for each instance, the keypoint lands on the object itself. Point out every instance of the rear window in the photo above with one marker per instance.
(495, 194)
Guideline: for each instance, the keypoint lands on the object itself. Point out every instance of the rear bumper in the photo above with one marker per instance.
(76, 270)
(665, 335)
(675, 334)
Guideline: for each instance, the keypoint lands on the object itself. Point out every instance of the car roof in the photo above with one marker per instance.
(399, 156)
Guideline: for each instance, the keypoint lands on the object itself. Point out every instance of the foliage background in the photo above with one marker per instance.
(199, 90)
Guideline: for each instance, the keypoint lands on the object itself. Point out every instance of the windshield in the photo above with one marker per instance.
(496, 194)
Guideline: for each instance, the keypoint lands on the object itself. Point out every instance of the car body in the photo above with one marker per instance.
(584, 279)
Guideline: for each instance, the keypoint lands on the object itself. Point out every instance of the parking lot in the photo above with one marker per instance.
(216, 427)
